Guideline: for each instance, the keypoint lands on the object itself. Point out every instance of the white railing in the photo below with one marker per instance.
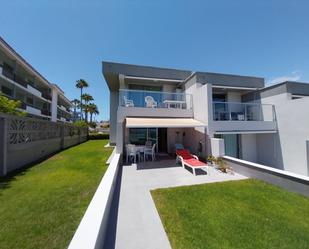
(91, 231)
(155, 99)
(234, 111)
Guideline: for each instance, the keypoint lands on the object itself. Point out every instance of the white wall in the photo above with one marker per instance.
(113, 106)
(293, 131)
(217, 147)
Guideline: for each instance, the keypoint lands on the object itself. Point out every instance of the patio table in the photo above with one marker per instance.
(177, 103)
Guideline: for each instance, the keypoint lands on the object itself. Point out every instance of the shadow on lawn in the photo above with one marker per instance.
(5, 181)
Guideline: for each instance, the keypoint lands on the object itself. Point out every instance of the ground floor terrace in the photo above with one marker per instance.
(134, 220)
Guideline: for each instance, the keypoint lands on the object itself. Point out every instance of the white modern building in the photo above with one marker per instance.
(210, 113)
(20, 81)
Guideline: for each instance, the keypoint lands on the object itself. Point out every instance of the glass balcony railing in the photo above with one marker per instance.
(155, 99)
(233, 111)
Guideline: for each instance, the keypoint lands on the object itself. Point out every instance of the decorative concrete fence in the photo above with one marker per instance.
(26, 140)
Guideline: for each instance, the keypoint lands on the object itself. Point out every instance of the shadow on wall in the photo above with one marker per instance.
(196, 142)
(110, 236)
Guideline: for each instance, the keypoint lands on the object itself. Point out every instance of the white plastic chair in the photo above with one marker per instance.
(150, 102)
(150, 151)
(131, 152)
(128, 102)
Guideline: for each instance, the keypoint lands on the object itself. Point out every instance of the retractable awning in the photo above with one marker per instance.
(163, 123)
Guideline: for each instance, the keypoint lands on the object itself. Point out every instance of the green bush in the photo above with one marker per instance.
(81, 124)
(97, 136)
(10, 106)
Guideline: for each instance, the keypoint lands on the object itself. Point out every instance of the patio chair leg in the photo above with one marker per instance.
(194, 172)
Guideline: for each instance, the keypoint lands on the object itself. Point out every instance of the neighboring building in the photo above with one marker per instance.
(210, 113)
(20, 81)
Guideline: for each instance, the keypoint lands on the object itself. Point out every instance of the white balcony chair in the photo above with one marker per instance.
(150, 102)
(128, 102)
(150, 151)
(131, 152)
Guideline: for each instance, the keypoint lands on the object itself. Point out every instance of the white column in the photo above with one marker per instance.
(54, 105)
(121, 81)
(119, 138)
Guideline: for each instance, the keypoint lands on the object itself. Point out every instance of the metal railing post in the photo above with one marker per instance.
(246, 118)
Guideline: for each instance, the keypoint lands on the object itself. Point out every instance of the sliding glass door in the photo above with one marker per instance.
(232, 144)
(139, 136)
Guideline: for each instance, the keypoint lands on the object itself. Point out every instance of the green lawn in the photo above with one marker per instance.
(42, 207)
(235, 214)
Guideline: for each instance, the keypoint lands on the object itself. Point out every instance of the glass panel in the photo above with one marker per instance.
(231, 145)
(154, 99)
(242, 111)
(137, 136)
(152, 135)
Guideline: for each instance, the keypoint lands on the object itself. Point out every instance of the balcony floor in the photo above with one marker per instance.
(135, 222)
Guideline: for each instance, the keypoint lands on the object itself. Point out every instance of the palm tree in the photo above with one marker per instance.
(87, 98)
(93, 109)
(76, 104)
(81, 84)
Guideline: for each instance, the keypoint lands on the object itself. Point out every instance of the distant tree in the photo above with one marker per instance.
(10, 106)
(93, 110)
(76, 104)
(81, 84)
(87, 98)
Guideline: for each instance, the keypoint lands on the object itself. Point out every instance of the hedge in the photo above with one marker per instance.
(96, 136)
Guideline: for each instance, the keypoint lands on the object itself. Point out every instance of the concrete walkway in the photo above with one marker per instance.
(135, 222)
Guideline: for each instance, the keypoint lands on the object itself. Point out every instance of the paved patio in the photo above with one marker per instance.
(135, 222)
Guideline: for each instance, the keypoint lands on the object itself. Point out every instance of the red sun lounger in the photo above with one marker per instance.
(189, 160)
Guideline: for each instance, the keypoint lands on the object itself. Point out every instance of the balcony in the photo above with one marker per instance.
(233, 116)
(154, 103)
(24, 83)
(233, 111)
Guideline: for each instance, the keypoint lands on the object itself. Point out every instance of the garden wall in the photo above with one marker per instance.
(285, 179)
(26, 140)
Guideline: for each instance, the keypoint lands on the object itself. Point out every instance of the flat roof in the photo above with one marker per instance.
(293, 87)
(112, 70)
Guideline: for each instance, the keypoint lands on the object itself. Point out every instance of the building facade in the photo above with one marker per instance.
(210, 113)
(20, 81)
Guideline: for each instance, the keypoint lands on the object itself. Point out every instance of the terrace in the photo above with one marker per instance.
(134, 221)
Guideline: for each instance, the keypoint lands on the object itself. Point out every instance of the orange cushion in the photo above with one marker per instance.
(185, 154)
(193, 162)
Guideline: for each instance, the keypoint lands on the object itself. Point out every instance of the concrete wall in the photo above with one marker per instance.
(293, 127)
(290, 181)
(244, 126)
(93, 227)
(217, 147)
(26, 140)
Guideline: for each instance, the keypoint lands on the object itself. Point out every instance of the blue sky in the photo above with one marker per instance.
(67, 40)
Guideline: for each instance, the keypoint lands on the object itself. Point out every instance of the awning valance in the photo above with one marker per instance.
(246, 132)
(163, 123)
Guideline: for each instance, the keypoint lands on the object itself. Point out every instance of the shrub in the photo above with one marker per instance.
(96, 136)
(10, 106)
(81, 124)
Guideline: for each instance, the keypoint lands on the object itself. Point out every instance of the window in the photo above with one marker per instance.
(139, 136)
(29, 101)
(7, 91)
